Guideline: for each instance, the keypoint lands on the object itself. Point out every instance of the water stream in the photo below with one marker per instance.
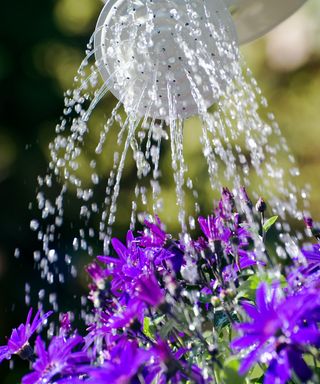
(173, 68)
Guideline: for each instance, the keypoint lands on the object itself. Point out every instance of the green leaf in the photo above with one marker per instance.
(159, 319)
(248, 288)
(230, 374)
(220, 320)
(205, 299)
(249, 228)
(167, 328)
(256, 374)
(317, 373)
(269, 223)
(147, 327)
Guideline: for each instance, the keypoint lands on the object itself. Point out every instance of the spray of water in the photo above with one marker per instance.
(165, 61)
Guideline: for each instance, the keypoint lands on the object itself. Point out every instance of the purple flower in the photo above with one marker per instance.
(71, 380)
(149, 291)
(279, 370)
(133, 262)
(225, 229)
(246, 260)
(312, 254)
(153, 234)
(228, 240)
(146, 291)
(307, 274)
(101, 339)
(97, 274)
(126, 361)
(65, 323)
(308, 222)
(19, 340)
(312, 228)
(126, 316)
(124, 270)
(279, 332)
(59, 360)
(214, 229)
(164, 249)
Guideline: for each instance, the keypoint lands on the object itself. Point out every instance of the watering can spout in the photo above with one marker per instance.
(166, 58)
(170, 59)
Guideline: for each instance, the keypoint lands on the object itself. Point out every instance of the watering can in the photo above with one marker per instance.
(180, 54)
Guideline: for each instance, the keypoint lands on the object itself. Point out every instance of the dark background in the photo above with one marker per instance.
(42, 44)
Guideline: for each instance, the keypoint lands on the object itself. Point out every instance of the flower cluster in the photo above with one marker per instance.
(282, 330)
(201, 310)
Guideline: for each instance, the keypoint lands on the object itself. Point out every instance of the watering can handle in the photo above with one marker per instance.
(254, 18)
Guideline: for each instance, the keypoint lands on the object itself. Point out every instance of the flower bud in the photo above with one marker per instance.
(215, 301)
(313, 230)
(231, 293)
(261, 206)
(308, 222)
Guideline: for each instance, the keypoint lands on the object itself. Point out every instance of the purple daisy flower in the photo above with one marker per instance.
(125, 363)
(65, 323)
(278, 335)
(232, 235)
(214, 229)
(97, 274)
(312, 254)
(71, 380)
(161, 245)
(58, 361)
(101, 339)
(246, 260)
(307, 274)
(134, 261)
(18, 343)
(123, 318)
(153, 234)
(149, 291)
(145, 291)
(228, 239)
(169, 366)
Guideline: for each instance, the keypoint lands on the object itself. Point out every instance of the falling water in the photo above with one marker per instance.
(172, 66)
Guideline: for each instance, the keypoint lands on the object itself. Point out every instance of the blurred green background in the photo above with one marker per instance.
(42, 44)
